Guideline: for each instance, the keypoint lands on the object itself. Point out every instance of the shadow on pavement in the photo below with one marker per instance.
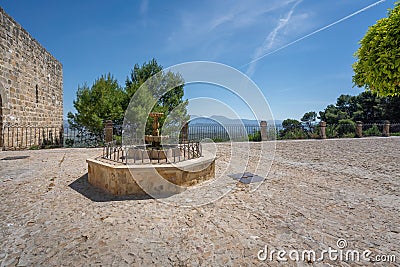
(82, 186)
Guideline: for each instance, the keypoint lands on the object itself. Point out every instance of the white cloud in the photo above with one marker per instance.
(259, 55)
(270, 40)
(217, 24)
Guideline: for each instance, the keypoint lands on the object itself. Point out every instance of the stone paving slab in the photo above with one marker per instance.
(317, 191)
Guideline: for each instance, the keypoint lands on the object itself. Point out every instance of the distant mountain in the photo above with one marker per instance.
(213, 120)
(224, 120)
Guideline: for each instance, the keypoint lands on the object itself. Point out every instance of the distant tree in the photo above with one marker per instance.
(102, 101)
(378, 59)
(347, 104)
(369, 108)
(309, 119)
(346, 128)
(292, 129)
(390, 107)
(139, 75)
(332, 115)
(366, 107)
(291, 124)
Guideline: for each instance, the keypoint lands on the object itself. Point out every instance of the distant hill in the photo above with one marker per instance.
(214, 120)
(224, 120)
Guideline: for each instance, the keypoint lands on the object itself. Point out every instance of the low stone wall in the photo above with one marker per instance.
(120, 179)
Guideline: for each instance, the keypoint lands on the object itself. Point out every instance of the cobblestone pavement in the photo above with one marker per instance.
(315, 193)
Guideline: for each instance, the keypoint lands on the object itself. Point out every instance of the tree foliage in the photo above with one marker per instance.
(165, 87)
(366, 107)
(309, 119)
(102, 101)
(292, 129)
(341, 116)
(346, 128)
(291, 124)
(139, 75)
(378, 59)
(107, 100)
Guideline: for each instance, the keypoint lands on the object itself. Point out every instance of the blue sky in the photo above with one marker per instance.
(92, 38)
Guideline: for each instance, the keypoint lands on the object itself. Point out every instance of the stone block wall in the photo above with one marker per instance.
(31, 80)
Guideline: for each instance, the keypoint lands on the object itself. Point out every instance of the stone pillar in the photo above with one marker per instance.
(185, 133)
(263, 128)
(322, 130)
(386, 129)
(108, 131)
(359, 127)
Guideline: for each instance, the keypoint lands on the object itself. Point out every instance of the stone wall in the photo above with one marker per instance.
(31, 79)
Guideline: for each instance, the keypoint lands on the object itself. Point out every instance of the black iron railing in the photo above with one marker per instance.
(148, 155)
(395, 128)
(81, 138)
(221, 133)
(30, 137)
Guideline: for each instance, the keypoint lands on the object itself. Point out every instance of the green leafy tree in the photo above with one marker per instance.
(390, 109)
(169, 102)
(366, 107)
(102, 101)
(139, 75)
(292, 129)
(369, 108)
(373, 131)
(332, 114)
(346, 128)
(291, 124)
(347, 104)
(378, 59)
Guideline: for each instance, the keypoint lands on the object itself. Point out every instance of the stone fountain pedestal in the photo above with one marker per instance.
(121, 179)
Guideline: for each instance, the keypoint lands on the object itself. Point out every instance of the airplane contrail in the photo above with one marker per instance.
(269, 41)
(315, 32)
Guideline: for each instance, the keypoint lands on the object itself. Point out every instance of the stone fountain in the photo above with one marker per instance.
(154, 142)
(155, 138)
(155, 168)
